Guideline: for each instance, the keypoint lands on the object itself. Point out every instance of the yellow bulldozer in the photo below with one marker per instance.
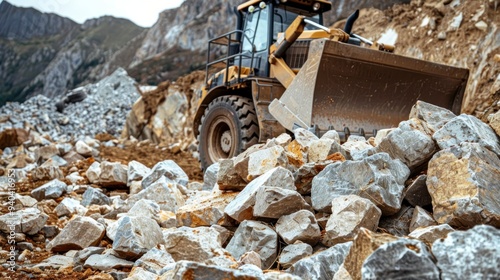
(281, 69)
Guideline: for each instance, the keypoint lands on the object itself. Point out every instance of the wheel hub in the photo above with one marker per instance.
(225, 141)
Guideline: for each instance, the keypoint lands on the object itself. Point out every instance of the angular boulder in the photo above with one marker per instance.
(274, 202)
(136, 171)
(106, 262)
(320, 149)
(79, 233)
(69, 206)
(377, 178)
(93, 172)
(94, 196)
(29, 221)
(306, 173)
(168, 169)
(293, 253)
(431, 233)
(264, 160)
(52, 189)
(154, 260)
(299, 226)
(464, 183)
(349, 214)
(210, 176)
(392, 261)
(467, 128)
(411, 143)
(198, 245)
(472, 254)
(241, 208)
(204, 211)
(322, 265)
(255, 236)
(165, 193)
(365, 243)
(417, 194)
(434, 116)
(113, 174)
(135, 236)
(195, 270)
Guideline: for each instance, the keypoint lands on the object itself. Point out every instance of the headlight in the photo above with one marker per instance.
(283, 1)
(251, 9)
(316, 6)
(262, 5)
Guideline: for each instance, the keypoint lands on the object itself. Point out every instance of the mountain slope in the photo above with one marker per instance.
(43, 53)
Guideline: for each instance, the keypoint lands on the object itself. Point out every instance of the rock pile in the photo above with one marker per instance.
(103, 110)
(418, 201)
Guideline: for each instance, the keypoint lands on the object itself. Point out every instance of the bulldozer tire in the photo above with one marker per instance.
(228, 127)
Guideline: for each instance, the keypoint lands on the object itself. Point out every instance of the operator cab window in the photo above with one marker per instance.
(256, 30)
(284, 18)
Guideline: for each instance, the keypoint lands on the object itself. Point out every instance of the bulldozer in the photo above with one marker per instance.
(282, 69)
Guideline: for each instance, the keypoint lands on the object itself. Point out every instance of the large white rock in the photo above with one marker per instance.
(79, 233)
(154, 260)
(241, 208)
(52, 189)
(435, 116)
(466, 128)
(93, 172)
(135, 236)
(349, 214)
(168, 169)
(411, 143)
(464, 183)
(83, 149)
(136, 171)
(29, 221)
(322, 265)
(472, 254)
(204, 211)
(293, 253)
(299, 226)
(94, 196)
(113, 174)
(197, 244)
(255, 236)
(69, 206)
(377, 178)
(274, 202)
(163, 192)
(320, 149)
(264, 160)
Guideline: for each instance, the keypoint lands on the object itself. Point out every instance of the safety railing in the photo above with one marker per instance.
(231, 41)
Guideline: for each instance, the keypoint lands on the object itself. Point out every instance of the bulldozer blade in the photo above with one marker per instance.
(346, 86)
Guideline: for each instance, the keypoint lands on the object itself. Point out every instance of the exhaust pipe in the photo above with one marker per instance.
(350, 22)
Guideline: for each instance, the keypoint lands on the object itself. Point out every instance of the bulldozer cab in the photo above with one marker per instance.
(247, 48)
(262, 25)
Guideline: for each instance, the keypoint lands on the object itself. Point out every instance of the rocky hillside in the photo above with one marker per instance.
(47, 54)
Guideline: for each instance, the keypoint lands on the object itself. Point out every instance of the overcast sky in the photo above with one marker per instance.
(141, 12)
